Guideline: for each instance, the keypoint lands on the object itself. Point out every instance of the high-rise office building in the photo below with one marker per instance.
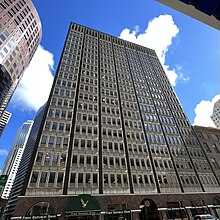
(216, 114)
(115, 140)
(20, 35)
(14, 158)
(7, 98)
(4, 119)
(207, 12)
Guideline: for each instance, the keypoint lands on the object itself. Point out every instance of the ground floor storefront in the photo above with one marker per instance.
(118, 207)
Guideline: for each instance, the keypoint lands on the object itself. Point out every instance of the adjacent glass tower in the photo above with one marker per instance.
(114, 125)
(13, 160)
(4, 119)
(20, 35)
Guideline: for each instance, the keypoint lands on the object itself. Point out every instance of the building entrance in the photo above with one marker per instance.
(149, 210)
(83, 207)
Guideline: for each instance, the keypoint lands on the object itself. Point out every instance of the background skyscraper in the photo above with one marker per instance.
(4, 119)
(27, 155)
(14, 158)
(20, 35)
(216, 114)
(114, 128)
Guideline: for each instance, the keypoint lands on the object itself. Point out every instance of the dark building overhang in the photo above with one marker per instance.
(205, 11)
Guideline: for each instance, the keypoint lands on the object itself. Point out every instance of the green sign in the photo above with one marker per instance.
(83, 205)
(3, 180)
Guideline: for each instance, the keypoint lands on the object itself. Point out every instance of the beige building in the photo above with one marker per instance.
(210, 142)
(114, 142)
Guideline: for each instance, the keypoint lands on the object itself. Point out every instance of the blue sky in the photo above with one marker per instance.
(188, 49)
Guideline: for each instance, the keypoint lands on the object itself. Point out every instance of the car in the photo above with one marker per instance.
(204, 216)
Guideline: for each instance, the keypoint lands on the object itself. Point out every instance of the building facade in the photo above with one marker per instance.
(207, 12)
(210, 141)
(20, 35)
(14, 158)
(4, 119)
(115, 133)
(3, 203)
(216, 114)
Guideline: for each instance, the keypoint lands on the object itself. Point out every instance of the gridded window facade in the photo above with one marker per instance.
(209, 139)
(114, 125)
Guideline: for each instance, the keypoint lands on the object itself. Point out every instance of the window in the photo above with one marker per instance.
(39, 157)
(43, 177)
(63, 114)
(106, 178)
(67, 127)
(94, 160)
(34, 177)
(47, 158)
(112, 177)
(134, 179)
(58, 141)
(2, 37)
(43, 139)
(51, 112)
(60, 178)
(54, 126)
(81, 160)
(206, 147)
(83, 143)
(88, 160)
(214, 163)
(63, 159)
(95, 144)
(57, 113)
(119, 178)
(65, 141)
(215, 148)
(95, 178)
(52, 177)
(76, 142)
(73, 178)
(74, 160)
(51, 140)
(88, 180)
(55, 159)
(125, 179)
(47, 125)
(146, 179)
(80, 178)
(89, 143)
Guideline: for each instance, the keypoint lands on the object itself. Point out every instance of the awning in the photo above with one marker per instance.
(83, 205)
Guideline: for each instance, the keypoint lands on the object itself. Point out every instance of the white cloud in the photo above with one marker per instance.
(34, 88)
(158, 36)
(3, 152)
(203, 111)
